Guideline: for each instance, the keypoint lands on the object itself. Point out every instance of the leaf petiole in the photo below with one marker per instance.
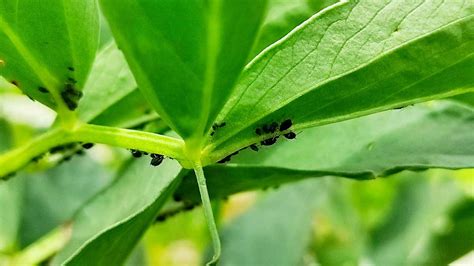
(206, 204)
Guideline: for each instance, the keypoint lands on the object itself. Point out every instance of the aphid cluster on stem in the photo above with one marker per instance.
(216, 126)
(70, 94)
(156, 159)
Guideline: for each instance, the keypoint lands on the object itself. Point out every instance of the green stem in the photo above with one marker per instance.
(131, 139)
(134, 139)
(16, 158)
(207, 207)
(43, 248)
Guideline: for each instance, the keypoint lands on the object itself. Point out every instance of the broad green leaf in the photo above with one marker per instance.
(445, 246)
(186, 54)
(52, 197)
(107, 229)
(354, 59)
(277, 230)
(414, 138)
(418, 209)
(48, 45)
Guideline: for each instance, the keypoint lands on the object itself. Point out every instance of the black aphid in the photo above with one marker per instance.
(70, 68)
(161, 218)
(57, 149)
(14, 82)
(80, 152)
(87, 145)
(189, 207)
(221, 124)
(285, 125)
(43, 89)
(273, 127)
(177, 198)
(212, 133)
(290, 135)
(225, 159)
(145, 153)
(254, 147)
(258, 131)
(67, 158)
(71, 96)
(156, 159)
(136, 153)
(73, 81)
(269, 141)
(266, 129)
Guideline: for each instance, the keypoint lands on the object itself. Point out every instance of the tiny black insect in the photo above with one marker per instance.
(254, 147)
(189, 207)
(80, 152)
(258, 131)
(57, 149)
(87, 145)
(266, 129)
(161, 218)
(156, 159)
(136, 153)
(269, 141)
(290, 135)
(273, 127)
(145, 153)
(225, 159)
(43, 89)
(14, 82)
(73, 81)
(70, 68)
(71, 96)
(285, 125)
(67, 158)
(212, 133)
(177, 197)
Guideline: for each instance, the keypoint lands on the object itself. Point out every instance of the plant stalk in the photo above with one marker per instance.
(207, 207)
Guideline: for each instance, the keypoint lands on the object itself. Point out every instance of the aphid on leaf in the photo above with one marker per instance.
(258, 131)
(136, 153)
(189, 207)
(177, 198)
(254, 147)
(70, 68)
(225, 159)
(57, 149)
(87, 145)
(73, 81)
(156, 159)
(290, 135)
(273, 127)
(14, 82)
(285, 125)
(43, 89)
(269, 141)
(266, 128)
(71, 96)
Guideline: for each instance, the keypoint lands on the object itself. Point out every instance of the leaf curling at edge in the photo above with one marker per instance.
(415, 138)
(314, 75)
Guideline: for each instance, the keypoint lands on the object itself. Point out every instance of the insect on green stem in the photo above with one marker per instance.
(211, 223)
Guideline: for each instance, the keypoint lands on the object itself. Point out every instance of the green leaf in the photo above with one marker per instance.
(185, 55)
(48, 45)
(110, 81)
(351, 60)
(52, 197)
(414, 138)
(467, 98)
(277, 230)
(107, 229)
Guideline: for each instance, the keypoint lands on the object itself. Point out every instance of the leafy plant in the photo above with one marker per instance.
(194, 82)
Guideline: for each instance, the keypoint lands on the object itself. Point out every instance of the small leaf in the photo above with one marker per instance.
(107, 229)
(185, 55)
(353, 59)
(110, 81)
(415, 138)
(48, 47)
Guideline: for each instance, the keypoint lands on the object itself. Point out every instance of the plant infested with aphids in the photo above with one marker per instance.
(199, 100)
